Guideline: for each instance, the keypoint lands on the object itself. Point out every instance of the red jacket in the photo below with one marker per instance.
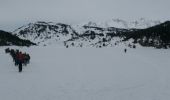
(20, 56)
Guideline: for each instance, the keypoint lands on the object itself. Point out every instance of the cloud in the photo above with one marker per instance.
(76, 11)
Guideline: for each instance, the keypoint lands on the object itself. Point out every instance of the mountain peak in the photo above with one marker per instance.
(45, 32)
(120, 23)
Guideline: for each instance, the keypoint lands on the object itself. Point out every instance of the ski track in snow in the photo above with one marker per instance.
(87, 74)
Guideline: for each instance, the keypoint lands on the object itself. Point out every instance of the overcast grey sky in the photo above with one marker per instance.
(15, 13)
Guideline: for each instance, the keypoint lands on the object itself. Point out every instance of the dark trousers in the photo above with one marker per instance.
(20, 67)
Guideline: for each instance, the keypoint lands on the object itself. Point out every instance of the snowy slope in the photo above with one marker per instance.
(82, 35)
(87, 74)
(45, 33)
(97, 37)
(120, 23)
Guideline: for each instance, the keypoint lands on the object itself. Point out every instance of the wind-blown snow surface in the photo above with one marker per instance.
(87, 74)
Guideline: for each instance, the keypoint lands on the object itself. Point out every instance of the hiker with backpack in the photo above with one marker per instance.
(20, 58)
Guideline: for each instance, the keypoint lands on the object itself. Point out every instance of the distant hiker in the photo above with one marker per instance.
(20, 58)
(7, 50)
(26, 59)
(16, 59)
(125, 50)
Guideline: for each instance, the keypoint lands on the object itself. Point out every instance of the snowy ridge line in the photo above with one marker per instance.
(120, 23)
(90, 35)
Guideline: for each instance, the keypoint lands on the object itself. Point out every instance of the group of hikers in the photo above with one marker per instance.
(19, 58)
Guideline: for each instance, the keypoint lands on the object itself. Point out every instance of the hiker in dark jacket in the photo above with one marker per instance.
(125, 50)
(7, 50)
(20, 58)
(16, 58)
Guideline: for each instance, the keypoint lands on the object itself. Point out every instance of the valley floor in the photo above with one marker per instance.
(87, 74)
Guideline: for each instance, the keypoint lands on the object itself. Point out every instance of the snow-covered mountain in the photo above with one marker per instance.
(46, 32)
(119, 23)
(93, 35)
(97, 37)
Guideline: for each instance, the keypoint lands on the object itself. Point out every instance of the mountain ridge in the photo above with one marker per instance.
(120, 23)
(46, 33)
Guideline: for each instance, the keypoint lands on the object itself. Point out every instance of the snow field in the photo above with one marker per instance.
(87, 74)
